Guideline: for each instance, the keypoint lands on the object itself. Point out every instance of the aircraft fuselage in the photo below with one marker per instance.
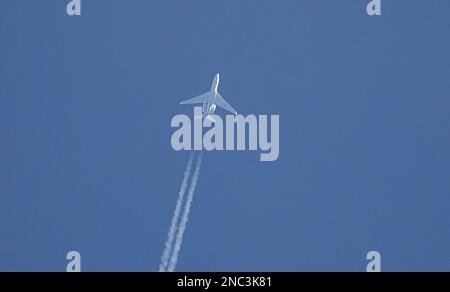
(209, 107)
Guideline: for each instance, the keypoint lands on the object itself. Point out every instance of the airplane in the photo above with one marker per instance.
(210, 101)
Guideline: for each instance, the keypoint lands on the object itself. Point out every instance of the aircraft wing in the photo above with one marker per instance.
(198, 99)
(220, 101)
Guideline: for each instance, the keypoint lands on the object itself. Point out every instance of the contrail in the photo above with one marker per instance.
(176, 216)
(185, 217)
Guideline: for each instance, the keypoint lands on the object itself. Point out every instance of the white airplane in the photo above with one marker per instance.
(210, 100)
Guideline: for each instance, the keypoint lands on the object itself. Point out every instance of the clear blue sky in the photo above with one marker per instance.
(85, 156)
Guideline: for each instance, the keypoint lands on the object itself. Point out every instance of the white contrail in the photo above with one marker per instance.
(176, 216)
(185, 216)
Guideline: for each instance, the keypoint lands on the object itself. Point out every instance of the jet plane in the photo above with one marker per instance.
(210, 100)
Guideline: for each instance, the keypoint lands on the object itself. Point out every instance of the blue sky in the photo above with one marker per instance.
(85, 156)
